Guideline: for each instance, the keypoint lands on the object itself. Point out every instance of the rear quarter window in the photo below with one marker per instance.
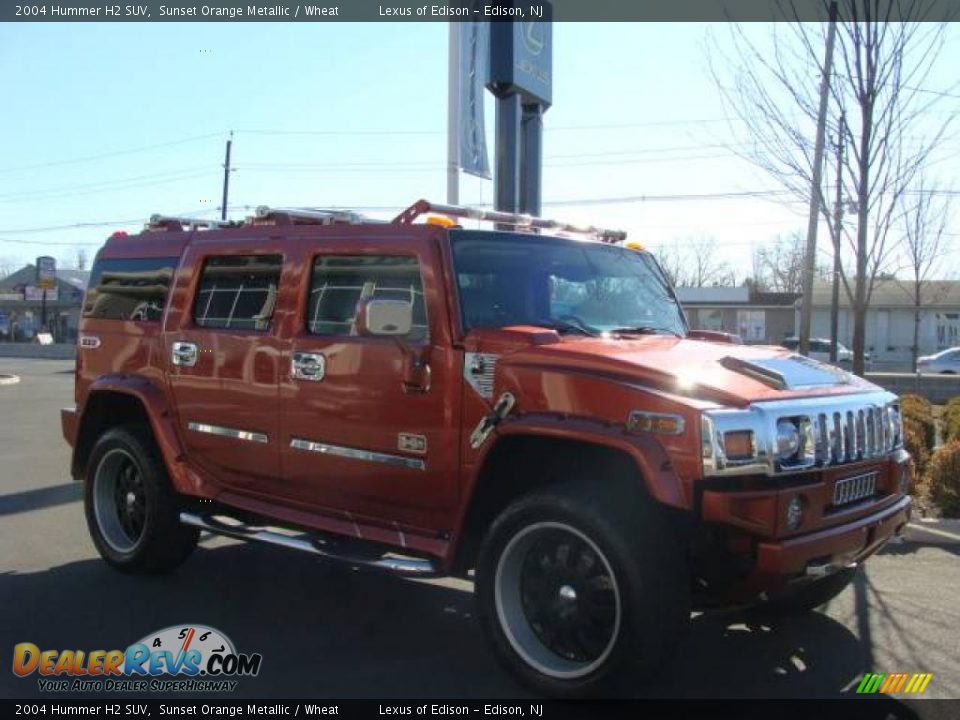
(129, 288)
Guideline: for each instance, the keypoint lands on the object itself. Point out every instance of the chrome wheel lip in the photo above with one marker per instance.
(513, 620)
(105, 501)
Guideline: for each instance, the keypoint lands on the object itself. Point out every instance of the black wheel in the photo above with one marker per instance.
(578, 586)
(813, 595)
(132, 510)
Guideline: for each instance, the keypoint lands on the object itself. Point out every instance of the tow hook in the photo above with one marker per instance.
(503, 407)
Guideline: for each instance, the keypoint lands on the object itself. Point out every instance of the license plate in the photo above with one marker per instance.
(852, 489)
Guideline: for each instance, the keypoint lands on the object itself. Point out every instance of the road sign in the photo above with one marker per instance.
(46, 272)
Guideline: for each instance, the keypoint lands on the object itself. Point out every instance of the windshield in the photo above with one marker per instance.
(577, 287)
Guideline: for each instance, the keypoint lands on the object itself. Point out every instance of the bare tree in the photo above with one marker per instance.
(693, 263)
(778, 266)
(885, 51)
(80, 262)
(7, 266)
(925, 218)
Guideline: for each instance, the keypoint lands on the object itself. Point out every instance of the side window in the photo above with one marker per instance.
(238, 292)
(129, 288)
(340, 282)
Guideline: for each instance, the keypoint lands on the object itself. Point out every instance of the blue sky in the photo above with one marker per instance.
(635, 113)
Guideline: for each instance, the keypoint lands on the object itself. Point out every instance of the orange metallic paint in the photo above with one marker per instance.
(566, 387)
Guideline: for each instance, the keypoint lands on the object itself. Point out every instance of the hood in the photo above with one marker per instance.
(722, 373)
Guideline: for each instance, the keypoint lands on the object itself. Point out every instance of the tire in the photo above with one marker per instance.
(131, 508)
(813, 595)
(620, 607)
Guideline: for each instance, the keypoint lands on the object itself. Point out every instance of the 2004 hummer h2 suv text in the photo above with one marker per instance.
(527, 409)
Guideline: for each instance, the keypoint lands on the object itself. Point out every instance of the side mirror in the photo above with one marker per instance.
(391, 318)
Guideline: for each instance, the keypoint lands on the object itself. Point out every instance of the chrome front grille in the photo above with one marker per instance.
(852, 489)
(843, 430)
(857, 434)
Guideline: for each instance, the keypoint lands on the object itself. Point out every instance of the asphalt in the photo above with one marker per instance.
(331, 631)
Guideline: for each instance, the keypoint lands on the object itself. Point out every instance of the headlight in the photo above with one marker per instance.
(788, 440)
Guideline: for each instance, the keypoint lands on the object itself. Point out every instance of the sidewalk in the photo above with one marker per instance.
(60, 351)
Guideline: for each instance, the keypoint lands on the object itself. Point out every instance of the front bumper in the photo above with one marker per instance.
(835, 547)
(768, 555)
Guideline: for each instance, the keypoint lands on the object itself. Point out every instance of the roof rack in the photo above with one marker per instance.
(173, 222)
(504, 218)
(305, 216)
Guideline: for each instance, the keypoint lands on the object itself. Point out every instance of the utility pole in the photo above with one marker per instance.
(226, 178)
(806, 307)
(837, 229)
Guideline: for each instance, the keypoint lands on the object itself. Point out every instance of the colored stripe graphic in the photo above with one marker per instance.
(893, 683)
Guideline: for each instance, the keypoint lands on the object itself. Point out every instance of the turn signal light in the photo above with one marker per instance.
(660, 423)
(738, 445)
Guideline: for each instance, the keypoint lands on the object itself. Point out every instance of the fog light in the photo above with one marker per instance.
(795, 512)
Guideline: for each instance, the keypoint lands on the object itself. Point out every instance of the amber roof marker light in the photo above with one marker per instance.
(517, 220)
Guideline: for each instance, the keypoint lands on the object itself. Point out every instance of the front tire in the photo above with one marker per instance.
(131, 508)
(579, 585)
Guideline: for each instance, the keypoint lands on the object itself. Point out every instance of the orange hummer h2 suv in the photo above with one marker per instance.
(523, 405)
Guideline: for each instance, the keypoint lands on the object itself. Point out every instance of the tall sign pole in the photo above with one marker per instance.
(521, 78)
(453, 115)
(813, 218)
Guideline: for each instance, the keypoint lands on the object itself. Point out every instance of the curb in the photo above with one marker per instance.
(9, 379)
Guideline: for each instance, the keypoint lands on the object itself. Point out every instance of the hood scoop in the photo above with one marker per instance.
(788, 373)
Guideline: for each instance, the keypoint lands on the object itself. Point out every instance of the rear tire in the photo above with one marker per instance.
(132, 511)
(577, 585)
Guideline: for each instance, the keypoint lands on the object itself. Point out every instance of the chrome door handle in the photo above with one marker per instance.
(184, 354)
(308, 366)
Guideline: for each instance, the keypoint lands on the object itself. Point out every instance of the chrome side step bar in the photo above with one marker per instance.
(396, 564)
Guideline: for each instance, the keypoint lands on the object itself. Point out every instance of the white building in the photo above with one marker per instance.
(890, 319)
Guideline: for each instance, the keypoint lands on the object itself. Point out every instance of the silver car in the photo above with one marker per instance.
(945, 362)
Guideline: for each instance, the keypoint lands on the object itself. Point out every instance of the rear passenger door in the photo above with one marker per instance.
(223, 358)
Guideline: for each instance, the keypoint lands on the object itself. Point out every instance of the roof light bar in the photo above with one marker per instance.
(311, 216)
(504, 218)
(173, 222)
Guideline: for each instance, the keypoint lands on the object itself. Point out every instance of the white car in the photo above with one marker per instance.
(945, 362)
(820, 350)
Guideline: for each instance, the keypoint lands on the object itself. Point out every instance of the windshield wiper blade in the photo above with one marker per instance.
(644, 330)
(562, 326)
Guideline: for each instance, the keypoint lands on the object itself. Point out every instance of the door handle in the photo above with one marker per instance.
(308, 366)
(184, 354)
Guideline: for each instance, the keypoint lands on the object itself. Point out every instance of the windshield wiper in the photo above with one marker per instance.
(644, 330)
(565, 326)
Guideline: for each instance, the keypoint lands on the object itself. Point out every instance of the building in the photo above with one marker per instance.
(890, 319)
(757, 317)
(22, 305)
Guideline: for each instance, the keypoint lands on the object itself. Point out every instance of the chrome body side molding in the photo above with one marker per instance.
(248, 435)
(358, 454)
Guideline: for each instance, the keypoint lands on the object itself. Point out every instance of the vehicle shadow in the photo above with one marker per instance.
(29, 500)
(331, 631)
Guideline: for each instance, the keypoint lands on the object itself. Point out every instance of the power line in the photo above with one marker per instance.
(101, 184)
(115, 153)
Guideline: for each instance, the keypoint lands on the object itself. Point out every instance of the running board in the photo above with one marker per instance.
(399, 565)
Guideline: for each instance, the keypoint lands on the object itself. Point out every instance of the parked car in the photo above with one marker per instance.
(820, 350)
(945, 362)
(523, 409)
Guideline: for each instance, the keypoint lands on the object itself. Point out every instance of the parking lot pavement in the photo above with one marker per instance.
(329, 631)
